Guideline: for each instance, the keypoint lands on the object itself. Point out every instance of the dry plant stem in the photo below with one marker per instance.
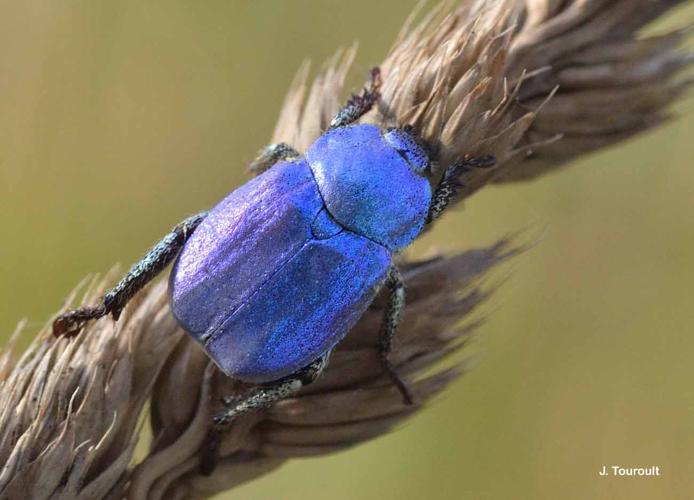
(471, 79)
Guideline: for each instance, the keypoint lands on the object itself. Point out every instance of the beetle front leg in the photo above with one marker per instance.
(272, 154)
(391, 318)
(361, 104)
(263, 397)
(449, 183)
(71, 322)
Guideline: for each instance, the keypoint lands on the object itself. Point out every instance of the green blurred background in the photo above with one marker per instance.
(117, 119)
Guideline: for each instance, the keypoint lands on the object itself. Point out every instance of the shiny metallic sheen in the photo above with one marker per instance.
(283, 267)
(368, 186)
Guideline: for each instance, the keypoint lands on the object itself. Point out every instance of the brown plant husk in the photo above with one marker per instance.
(472, 79)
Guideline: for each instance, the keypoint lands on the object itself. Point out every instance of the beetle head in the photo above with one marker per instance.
(372, 181)
(410, 146)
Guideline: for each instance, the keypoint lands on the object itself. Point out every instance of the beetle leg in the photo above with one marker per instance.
(71, 322)
(263, 397)
(391, 318)
(449, 183)
(267, 394)
(272, 154)
(360, 104)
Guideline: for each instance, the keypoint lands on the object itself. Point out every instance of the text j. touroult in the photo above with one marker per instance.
(618, 470)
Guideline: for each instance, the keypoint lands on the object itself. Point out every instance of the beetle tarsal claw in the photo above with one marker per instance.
(220, 419)
(71, 323)
(404, 388)
(210, 454)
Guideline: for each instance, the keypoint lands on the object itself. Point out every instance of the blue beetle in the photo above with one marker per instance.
(275, 275)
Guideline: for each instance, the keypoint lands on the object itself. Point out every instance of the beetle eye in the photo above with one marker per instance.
(404, 142)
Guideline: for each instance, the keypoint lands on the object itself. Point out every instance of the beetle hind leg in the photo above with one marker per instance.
(262, 397)
(70, 323)
(391, 318)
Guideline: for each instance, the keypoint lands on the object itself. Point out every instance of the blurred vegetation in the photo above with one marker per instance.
(117, 119)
